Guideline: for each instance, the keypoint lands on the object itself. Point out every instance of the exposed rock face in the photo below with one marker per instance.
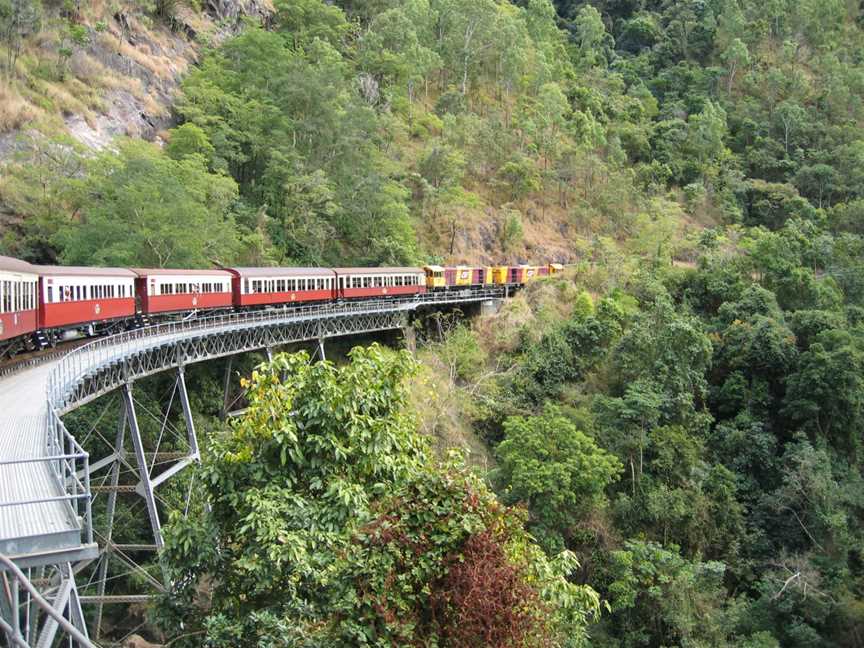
(234, 9)
(148, 65)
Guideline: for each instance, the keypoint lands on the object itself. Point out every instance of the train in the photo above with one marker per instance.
(42, 305)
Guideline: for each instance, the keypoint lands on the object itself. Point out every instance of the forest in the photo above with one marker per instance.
(660, 447)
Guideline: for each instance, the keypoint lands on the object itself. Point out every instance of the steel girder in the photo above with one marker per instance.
(211, 344)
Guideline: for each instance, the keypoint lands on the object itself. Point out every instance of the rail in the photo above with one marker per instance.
(75, 364)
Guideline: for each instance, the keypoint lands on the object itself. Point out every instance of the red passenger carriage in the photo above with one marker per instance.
(18, 298)
(265, 286)
(380, 282)
(72, 296)
(168, 291)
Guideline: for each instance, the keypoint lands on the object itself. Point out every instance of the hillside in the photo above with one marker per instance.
(361, 136)
(676, 421)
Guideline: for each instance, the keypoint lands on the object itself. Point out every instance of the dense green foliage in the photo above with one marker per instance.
(331, 526)
(731, 394)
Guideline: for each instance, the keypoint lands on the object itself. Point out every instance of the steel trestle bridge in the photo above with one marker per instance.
(47, 533)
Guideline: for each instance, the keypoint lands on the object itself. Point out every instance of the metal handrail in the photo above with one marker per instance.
(75, 365)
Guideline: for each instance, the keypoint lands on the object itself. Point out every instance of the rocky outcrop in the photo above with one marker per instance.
(235, 9)
(142, 66)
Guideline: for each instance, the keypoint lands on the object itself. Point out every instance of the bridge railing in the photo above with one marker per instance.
(69, 464)
(75, 365)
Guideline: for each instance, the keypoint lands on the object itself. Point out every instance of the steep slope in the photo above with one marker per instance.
(99, 70)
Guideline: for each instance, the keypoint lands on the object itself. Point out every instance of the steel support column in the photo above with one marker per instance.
(119, 452)
(194, 453)
(141, 461)
(62, 612)
(226, 392)
(321, 355)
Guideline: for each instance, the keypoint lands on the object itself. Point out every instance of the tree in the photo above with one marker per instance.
(279, 118)
(818, 182)
(141, 208)
(42, 183)
(392, 51)
(467, 33)
(556, 470)
(189, 139)
(792, 117)
(18, 20)
(306, 20)
(659, 597)
(590, 34)
(670, 350)
(330, 525)
(736, 56)
(826, 391)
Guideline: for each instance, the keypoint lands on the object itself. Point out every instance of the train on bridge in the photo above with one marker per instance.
(41, 305)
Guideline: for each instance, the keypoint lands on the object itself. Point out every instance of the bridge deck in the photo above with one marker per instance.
(42, 526)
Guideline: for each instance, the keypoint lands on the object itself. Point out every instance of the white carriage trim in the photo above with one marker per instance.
(187, 284)
(17, 292)
(381, 280)
(263, 285)
(64, 288)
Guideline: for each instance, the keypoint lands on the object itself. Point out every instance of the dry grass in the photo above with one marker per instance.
(63, 100)
(15, 110)
(439, 407)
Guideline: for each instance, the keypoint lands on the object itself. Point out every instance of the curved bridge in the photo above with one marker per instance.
(45, 494)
